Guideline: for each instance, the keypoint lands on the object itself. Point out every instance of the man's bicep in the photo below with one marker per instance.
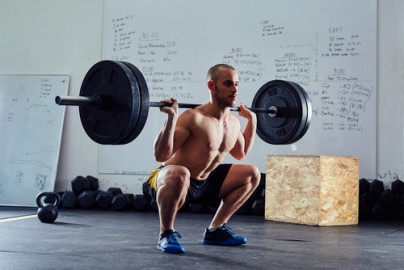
(238, 149)
(180, 136)
(182, 131)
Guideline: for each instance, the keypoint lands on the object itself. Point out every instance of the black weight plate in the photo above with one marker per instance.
(116, 117)
(136, 106)
(143, 103)
(291, 116)
(304, 126)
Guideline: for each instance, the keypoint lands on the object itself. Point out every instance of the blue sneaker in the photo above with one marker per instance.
(169, 244)
(223, 236)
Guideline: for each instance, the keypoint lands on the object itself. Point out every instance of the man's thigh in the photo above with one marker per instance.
(238, 175)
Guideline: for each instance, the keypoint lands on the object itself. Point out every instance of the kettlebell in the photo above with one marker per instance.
(47, 213)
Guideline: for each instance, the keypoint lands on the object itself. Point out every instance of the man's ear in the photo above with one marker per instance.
(211, 85)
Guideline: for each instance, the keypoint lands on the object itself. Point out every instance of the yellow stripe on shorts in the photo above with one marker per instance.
(153, 178)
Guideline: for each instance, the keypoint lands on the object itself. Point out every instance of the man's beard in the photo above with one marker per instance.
(222, 102)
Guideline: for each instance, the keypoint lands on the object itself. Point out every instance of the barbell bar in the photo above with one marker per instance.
(114, 104)
(98, 101)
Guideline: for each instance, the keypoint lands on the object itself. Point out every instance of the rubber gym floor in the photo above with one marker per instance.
(81, 239)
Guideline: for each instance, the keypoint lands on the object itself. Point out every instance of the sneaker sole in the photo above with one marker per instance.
(176, 250)
(224, 243)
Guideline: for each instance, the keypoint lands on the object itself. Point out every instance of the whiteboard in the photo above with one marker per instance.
(328, 47)
(31, 129)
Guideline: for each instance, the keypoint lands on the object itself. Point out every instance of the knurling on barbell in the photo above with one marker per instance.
(114, 105)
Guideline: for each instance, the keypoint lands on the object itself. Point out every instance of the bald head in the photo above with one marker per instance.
(214, 72)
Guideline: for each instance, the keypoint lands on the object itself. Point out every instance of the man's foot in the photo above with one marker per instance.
(168, 243)
(223, 236)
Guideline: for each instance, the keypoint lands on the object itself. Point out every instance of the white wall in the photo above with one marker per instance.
(55, 37)
(65, 37)
(390, 145)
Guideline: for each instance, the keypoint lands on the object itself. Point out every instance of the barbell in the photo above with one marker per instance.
(114, 105)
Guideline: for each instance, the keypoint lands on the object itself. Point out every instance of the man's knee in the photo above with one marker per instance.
(246, 175)
(255, 176)
(177, 176)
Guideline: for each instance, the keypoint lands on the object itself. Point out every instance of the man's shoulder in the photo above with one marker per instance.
(195, 112)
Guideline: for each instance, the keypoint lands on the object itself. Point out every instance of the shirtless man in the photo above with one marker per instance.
(191, 147)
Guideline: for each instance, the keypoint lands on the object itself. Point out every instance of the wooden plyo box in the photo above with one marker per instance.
(312, 190)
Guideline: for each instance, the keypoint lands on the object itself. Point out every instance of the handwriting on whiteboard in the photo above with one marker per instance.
(338, 96)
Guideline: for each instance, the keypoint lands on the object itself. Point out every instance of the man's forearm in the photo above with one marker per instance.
(249, 134)
(164, 143)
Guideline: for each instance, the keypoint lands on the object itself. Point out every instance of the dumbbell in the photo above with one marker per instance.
(258, 207)
(104, 199)
(69, 200)
(364, 186)
(87, 199)
(397, 186)
(141, 203)
(122, 202)
(81, 183)
(376, 187)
